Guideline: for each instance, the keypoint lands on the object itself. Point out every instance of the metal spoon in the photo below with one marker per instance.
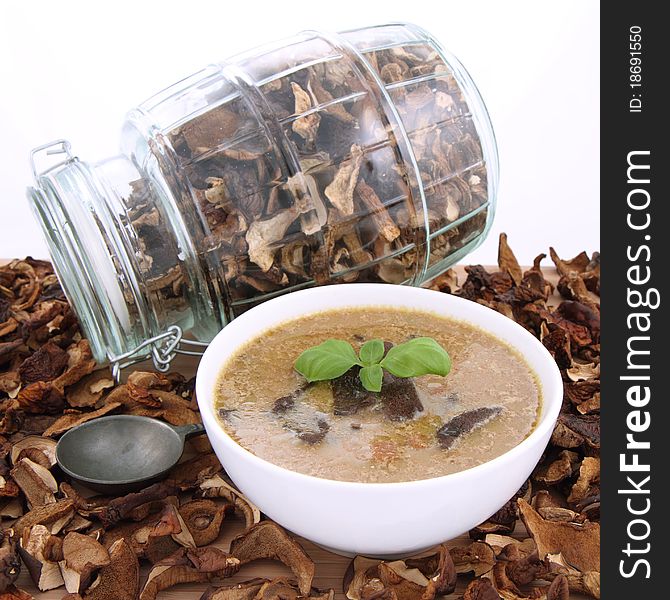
(122, 453)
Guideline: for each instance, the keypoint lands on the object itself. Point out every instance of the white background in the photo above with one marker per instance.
(71, 69)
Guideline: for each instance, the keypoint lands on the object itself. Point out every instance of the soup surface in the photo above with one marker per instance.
(268, 408)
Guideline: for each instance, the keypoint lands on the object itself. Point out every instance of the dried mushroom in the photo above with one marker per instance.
(578, 543)
(562, 468)
(12, 508)
(175, 409)
(154, 537)
(40, 397)
(33, 545)
(551, 509)
(503, 585)
(307, 126)
(10, 565)
(383, 221)
(77, 523)
(247, 590)
(73, 417)
(348, 395)
(38, 449)
(79, 364)
(190, 473)
(203, 518)
(86, 507)
(183, 537)
(399, 398)
(578, 264)
(508, 548)
(477, 558)
(588, 483)
(82, 556)
(480, 589)
(464, 423)
(583, 583)
(441, 580)
(188, 566)
(120, 579)
(507, 261)
(217, 487)
(54, 516)
(268, 540)
(558, 589)
(36, 482)
(584, 395)
(362, 580)
(340, 192)
(8, 487)
(14, 593)
(507, 577)
(119, 508)
(153, 395)
(288, 590)
(89, 391)
(45, 364)
(412, 579)
(574, 431)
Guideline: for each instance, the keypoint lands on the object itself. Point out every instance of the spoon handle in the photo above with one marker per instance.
(187, 431)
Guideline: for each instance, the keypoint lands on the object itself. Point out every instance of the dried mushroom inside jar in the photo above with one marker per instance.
(157, 258)
(332, 167)
(444, 140)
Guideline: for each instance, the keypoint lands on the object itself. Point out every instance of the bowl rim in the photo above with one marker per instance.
(552, 384)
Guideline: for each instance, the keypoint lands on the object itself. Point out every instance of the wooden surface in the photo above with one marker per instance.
(330, 567)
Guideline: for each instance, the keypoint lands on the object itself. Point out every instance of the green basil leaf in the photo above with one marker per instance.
(417, 357)
(371, 352)
(326, 361)
(371, 378)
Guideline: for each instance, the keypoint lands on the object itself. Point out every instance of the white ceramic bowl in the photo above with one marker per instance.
(378, 519)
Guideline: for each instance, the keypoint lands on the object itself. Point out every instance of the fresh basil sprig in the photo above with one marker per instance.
(326, 361)
(332, 358)
(417, 357)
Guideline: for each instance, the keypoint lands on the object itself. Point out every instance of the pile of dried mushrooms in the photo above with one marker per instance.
(93, 546)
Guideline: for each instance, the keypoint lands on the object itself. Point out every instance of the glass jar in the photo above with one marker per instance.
(362, 156)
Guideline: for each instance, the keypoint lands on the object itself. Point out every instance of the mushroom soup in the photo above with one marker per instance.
(414, 428)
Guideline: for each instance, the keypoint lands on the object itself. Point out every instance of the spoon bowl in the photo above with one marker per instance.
(122, 453)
